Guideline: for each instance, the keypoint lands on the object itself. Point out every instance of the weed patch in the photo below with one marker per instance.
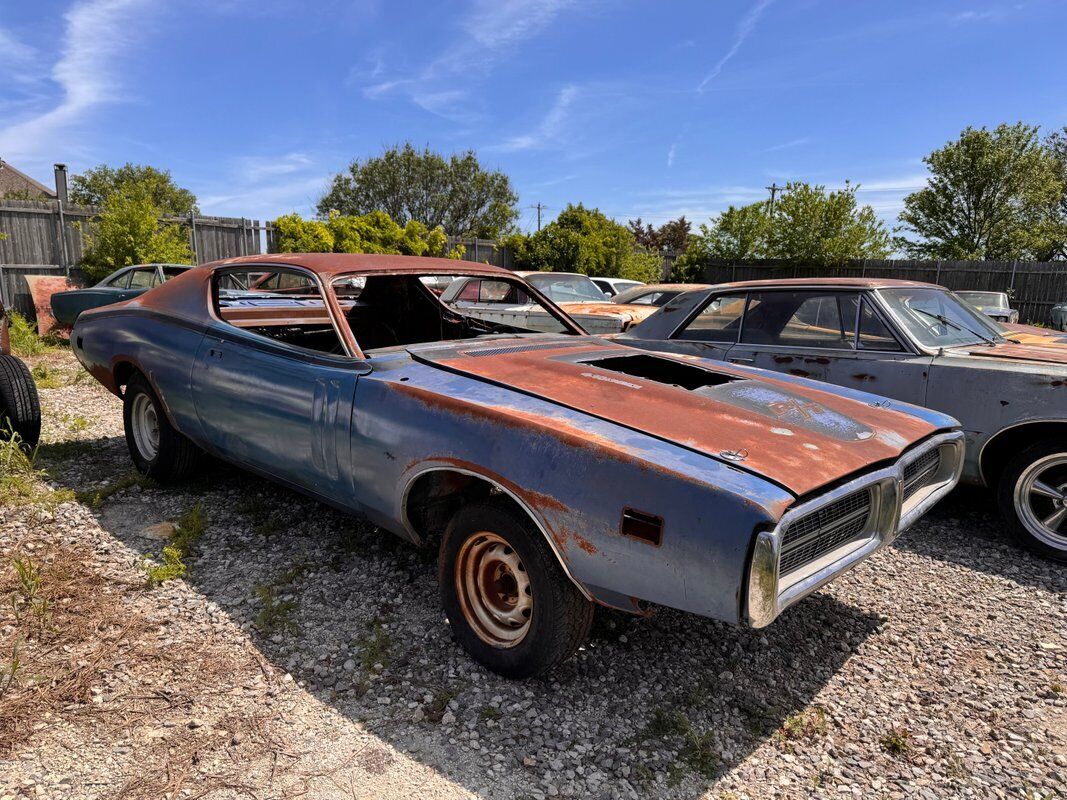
(276, 614)
(188, 529)
(897, 742)
(47, 377)
(375, 647)
(805, 725)
(21, 483)
(25, 341)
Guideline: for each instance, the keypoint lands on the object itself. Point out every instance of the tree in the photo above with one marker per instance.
(808, 225)
(585, 240)
(812, 226)
(672, 236)
(129, 232)
(456, 194)
(1056, 144)
(991, 195)
(94, 186)
(369, 233)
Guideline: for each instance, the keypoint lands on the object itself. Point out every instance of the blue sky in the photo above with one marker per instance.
(647, 109)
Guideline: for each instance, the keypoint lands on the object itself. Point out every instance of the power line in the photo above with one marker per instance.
(540, 207)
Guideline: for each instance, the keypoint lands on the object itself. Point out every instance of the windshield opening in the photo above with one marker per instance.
(399, 310)
(937, 318)
(568, 288)
(994, 299)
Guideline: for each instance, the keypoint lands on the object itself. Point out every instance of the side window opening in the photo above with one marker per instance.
(279, 304)
(718, 321)
(872, 331)
(120, 282)
(143, 279)
(800, 319)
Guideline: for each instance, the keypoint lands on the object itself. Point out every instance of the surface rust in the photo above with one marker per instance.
(42, 287)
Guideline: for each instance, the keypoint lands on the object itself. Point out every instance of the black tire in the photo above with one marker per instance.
(1026, 510)
(173, 456)
(20, 406)
(560, 618)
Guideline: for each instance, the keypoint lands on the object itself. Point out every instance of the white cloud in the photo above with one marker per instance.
(264, 187)
(549, 130)
(788, 145)
(96, 32)
(490, 30)
(744, 30)
(670, 154)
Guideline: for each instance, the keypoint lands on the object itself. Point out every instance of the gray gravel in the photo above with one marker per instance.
(936, 669)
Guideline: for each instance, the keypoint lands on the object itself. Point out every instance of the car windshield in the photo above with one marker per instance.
(979, 299)
(567, 288)
(936, 318)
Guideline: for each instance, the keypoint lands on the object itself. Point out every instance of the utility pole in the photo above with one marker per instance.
(774, 188)
(539, 208)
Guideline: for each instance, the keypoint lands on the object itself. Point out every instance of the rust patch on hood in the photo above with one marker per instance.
(799, 437)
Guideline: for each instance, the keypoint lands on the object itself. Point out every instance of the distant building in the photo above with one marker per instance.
(19, 184)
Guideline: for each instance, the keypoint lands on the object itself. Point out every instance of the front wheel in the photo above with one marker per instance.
(158, 450)
(508, 600)
(1032, 495)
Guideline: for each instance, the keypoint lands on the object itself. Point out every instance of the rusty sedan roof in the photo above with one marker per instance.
(327, 265)
(852, 283)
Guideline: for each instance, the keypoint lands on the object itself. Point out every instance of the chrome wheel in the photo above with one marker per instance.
(493, 589)
(1041, 500)
(145, 426)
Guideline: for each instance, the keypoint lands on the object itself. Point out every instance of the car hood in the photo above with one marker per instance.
(633, 312)
(1031, 334)
(793, 434)
(1044, 353)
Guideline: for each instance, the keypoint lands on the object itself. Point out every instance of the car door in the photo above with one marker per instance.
(838, 337)
(270, 404)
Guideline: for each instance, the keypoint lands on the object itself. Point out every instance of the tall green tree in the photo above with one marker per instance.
(456, 194)
(1056, 143)
(94, 186)
(808, 225)
(129, 231)
(585, 240)
(990, 195)
(672, 235)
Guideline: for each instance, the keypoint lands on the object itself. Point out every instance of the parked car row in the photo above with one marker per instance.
(722, 450)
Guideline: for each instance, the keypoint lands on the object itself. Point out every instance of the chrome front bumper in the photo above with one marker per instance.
(769, 593)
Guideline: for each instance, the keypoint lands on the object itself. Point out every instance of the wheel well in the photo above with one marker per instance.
(124, 370)
(1010, 441)
(434, 497)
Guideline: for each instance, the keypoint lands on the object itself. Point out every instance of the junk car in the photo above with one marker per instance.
(994, 305)
(558, 469)
(122, 284)
(912, 342)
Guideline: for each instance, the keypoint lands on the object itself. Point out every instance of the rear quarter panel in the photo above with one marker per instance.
(163, 348)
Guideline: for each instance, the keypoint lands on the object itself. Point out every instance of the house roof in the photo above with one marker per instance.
(14, 180)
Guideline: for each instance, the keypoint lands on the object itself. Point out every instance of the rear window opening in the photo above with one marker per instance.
(662, 370)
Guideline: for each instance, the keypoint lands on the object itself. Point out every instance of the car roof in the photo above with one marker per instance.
(329, 264)
(527, 272)
(856, 283)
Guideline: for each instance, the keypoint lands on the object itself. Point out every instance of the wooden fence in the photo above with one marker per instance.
(1034, 286)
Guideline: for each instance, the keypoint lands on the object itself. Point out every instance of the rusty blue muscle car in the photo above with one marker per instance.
(913, 342)
(558, 469)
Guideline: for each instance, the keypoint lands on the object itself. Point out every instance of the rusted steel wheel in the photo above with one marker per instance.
(509, 602)
(1033, 498)
(493, 589)
(158, 450)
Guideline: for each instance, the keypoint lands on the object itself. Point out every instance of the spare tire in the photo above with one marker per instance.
(20, 407)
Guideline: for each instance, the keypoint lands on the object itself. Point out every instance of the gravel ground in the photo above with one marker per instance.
(305, 654)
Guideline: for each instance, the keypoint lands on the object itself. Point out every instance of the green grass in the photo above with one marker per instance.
(94, 498)
(697, 753)
(21, 483)
(897, 742)
(25, 341)
(375, 647)
(171, 568)
(47, 377)
(275, 614)
(808, 724)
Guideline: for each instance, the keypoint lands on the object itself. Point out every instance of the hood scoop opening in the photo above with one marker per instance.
(663, 370)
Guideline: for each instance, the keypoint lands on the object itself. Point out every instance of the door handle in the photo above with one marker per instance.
(214, 352)
(741, 360)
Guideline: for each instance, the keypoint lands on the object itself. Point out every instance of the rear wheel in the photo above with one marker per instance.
(1032, 495)
(508, 601)
(158, 450)
(20, 407)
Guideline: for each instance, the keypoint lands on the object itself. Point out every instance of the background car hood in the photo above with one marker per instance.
(797, 436)
(1045, 353)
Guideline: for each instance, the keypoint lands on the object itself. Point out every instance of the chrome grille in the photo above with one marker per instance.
(819, 532)
(917, 474)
